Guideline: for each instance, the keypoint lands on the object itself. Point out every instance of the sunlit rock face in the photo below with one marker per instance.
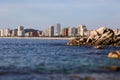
(101, 30)
(115, 54)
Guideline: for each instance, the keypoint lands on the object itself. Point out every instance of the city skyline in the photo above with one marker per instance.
(52, 31)
(39, 14)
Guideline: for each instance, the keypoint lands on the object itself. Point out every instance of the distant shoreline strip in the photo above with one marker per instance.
(49, 38)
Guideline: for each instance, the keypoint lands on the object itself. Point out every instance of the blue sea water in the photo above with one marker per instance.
(37, 59)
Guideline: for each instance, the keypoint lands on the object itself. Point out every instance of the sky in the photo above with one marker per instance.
(40, 14)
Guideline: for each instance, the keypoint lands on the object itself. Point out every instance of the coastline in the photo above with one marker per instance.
(48, 38)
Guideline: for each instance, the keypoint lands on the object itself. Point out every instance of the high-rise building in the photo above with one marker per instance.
(72, 31)
(76, 31)
(20, 31)
(2, 33)
(5, 32)
(14, 32)
(82, 30)
(20, 28)
(65, 32)
(46, 32)
(51, 31)
(57, 29)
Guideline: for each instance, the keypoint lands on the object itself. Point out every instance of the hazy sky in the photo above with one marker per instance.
(40, 14)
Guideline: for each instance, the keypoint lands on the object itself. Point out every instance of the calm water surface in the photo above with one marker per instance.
(35, 59)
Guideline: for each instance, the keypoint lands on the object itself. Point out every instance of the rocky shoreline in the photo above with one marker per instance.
(102, 36)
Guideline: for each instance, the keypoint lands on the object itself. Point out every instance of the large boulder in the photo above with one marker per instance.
(117, 32)
(104, 37)
(93, 35)
(77, 41)
(101, 30)
(115, 54)
(116, 41)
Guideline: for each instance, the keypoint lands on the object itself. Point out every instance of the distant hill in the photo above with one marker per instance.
(30, 30)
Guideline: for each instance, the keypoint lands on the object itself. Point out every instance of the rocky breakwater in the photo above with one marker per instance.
(102, 36)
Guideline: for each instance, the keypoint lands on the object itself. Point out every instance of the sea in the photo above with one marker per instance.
(43, 59)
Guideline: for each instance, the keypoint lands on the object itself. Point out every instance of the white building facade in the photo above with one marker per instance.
(20, 32)
(5, 32)
(57, 29)
(82, 30)
(2, 33)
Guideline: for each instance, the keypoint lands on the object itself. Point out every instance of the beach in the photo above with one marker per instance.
(49, 38)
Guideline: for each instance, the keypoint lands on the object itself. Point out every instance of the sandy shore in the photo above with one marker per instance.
(49, 38)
